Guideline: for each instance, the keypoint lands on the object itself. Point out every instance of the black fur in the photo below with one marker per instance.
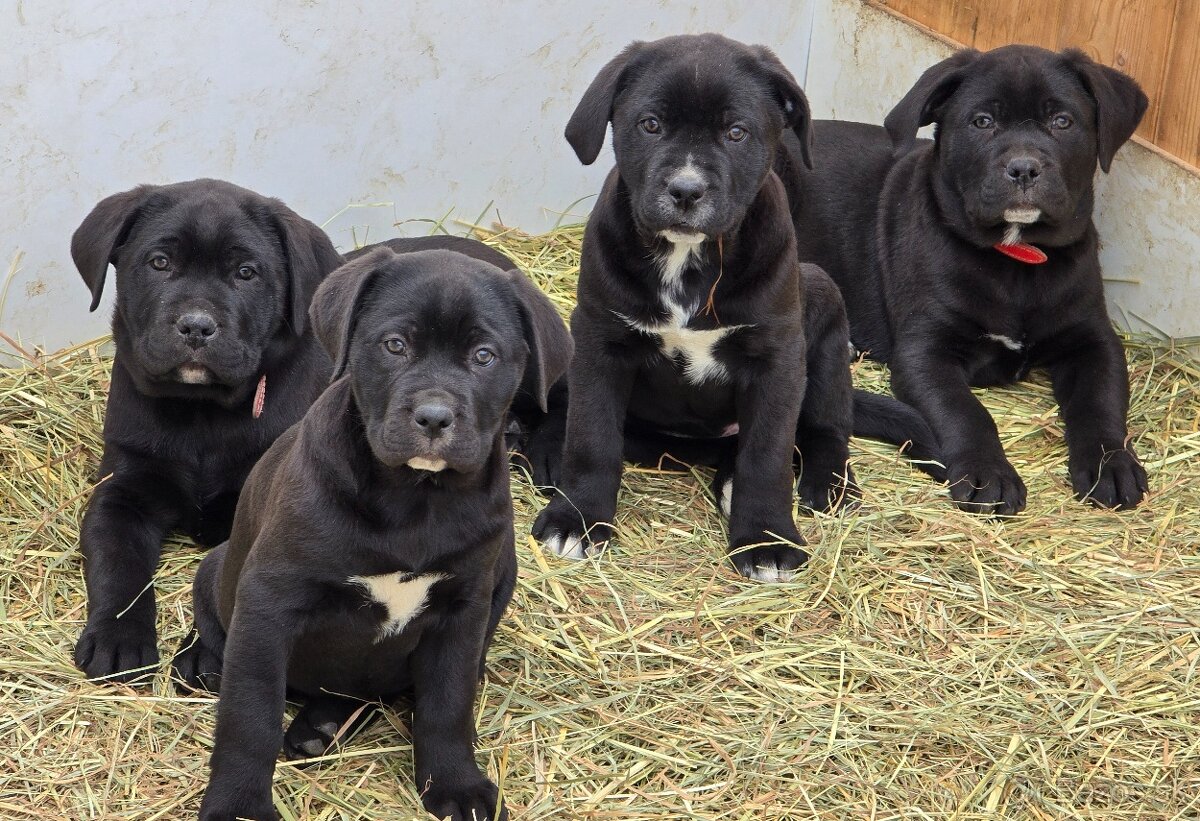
(906, 228)
(696, 124)
(337, 497)
(176, 454)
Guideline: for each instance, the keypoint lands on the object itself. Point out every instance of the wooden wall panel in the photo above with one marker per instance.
(1022, 21)
(1157, 42)
(1132, 37)
(1179, 101)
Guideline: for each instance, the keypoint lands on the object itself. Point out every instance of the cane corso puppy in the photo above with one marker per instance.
(970, 259)
(372, 554)
(214, 359)
(697, 330)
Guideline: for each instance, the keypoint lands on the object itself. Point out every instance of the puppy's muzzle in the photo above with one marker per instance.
(197, 328)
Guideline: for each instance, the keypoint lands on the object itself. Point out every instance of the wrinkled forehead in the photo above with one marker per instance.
(451, 307)
(1024, 84)
(696, 84)
(208, 225)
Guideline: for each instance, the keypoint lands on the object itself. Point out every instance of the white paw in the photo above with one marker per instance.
(726, 500)
(570, 546)
(771, 573)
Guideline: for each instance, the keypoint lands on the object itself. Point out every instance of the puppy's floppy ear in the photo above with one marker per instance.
(95, 242)
(336, 302)
(588, 125)
(796, 113)
(549, 341)
(310, 257)
(1120, 103)
(922, 104)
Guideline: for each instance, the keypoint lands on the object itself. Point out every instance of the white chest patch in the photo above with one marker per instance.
(404, 595)
(675, 339)
(1008, 342)
(684, 253)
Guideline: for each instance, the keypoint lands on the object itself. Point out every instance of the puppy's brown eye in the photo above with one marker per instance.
(245, 272)
(484, 357)
(983, 121)
(394, 345)
(1062, 121)
(159, 263)
(650, 125)
(736, 134)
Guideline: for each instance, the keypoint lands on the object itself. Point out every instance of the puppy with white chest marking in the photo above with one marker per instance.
(372, 554)
(698, 333)
(971, 259)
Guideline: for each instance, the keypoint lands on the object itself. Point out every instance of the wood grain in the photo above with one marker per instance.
(1133, 37)
(1178, 129)
(1157, 42)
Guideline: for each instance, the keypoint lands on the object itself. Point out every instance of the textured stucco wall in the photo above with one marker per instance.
(429, 108)
(1147, 208)
(420, 110)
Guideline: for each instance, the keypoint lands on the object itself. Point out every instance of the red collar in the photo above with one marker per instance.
(1022, 252)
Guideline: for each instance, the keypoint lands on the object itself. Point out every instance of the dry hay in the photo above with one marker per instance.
(928, 664)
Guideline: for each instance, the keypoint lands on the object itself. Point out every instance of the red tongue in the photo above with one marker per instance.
(260, 396)
(1022, 252)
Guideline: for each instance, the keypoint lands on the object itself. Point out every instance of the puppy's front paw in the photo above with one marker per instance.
(472, 802)
(988, 486)
(195, 666)
(323, 723)
(826, 490)
(767, 558)
(543, 452)
(568, 532)
(229, 808)
(1116, 480)
(124, 650)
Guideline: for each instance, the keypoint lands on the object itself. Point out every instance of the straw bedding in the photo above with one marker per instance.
(927, 664)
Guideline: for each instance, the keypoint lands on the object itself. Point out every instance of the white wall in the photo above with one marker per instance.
(1147, 209)
(430, 108)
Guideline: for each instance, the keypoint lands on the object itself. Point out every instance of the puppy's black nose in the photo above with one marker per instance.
(1024, 171)
(197, 327)
(686, 190)
(433, 418)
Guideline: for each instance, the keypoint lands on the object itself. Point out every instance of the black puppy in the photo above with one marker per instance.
(372, 553)
(214, 360)
(697, 331)
(971, 259)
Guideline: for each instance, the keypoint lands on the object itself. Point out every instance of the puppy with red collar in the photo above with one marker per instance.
(970, 260)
